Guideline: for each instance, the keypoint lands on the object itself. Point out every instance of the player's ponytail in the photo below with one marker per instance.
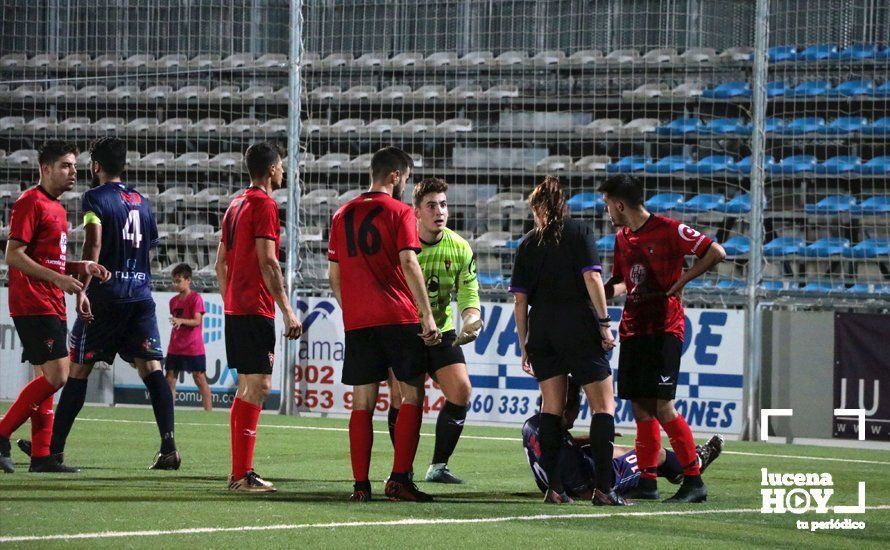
(549, 204)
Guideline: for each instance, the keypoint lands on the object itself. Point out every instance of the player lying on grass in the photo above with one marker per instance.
(576, 465)
(448, 265)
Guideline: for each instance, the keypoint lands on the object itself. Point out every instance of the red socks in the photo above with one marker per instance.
(42, 428)
(361, 439)
(648, 443)
(243, 421)
(29, 401)
(407, 437)
(681, 440)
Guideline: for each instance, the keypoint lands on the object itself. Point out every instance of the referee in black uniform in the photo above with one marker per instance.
(556, 273)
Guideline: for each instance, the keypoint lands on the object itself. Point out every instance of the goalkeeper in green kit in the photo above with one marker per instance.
(448, 264)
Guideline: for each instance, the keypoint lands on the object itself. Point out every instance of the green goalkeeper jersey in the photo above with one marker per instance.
(446, 265)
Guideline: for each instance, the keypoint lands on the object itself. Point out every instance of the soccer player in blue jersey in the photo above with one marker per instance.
(118, 316)
(576, 465)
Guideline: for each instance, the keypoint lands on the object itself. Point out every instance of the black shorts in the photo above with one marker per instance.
(187, 363)
(250, 343)
(446, 353)
(44, 338)
(372, 351)
(565, 340)
(648, 367)
(129, 329)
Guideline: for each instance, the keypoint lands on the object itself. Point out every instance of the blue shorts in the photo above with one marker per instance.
(129, 329)
(579, 475)
(187, 363)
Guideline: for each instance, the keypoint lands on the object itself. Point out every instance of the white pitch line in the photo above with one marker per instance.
(479, 437)
(390, 523)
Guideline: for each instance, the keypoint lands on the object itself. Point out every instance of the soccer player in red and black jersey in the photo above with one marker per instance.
(251, 283)
(376, 278)
(39, 275)
(649, 256)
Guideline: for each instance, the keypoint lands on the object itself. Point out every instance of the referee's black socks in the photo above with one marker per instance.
(602, 442)
(449, 426)
(551, 438)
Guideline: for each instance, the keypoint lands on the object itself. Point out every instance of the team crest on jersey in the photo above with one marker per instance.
(687, 233)
(131, 197)
(49, 343)
(271, 359)
(638, 274)
(63, 243)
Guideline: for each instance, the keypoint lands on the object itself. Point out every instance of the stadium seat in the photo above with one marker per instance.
(197, 159)
(253, 93)
(879, 127)
(800, 126)
(680, 126)
(9, 191)
(744, 166)
(739, 53)
(326, 93)
(417, 125)
(109, 124)
(827, 247)
(784, 246)
(454, 125)
(221, 93)
(513, 57)
(818, 52)
(553, 163)
(313, 125)
(360, 163)
(474, 59)
(43, 60)
(190, 92)
(781, 53)
(686, 90)
(728, 90)
(548, 57)
(348, 196)
(844, 125)
(838, 165)
(812, 88)
(628, 164)
(380, 126)
(207, 126)
(464, 92)
(852, 88)
(883, 53)
(883, 90)
(668, 165)
(237, 60)
(175, 194)
(620, 57)
(773, 285)
(699, 283)
(737, 246)
(138, 61)
(719, 126)
(156, 159)
(822, 287)
(83, 160)
(370, 59)
(697, 55)
(270, 60)
(792, 165)
(639, 126)
(705, 202)
(659, 55)
(858, 52)
(105, 61)
(346, 126)
(587, 201)
(440, 59)
(491, 240)
(601, 126)
(55, 92)
(710, 165)
(205, 61)
(27, 91)
(875, 167)
(606, 244)
(392, 93)
(430, 91)
(335, 60)
(646, 91)
(405, 59)
(490, 279)
(730, 284)
(40, 124)
(664, 202)
(318, 198)
(74, 124)
(329, 161)
(873, 206)
(154, 93)
(74, 61)
(169, 61)
(141, 125)
(124, 92)
(584, 57)
(12, 60)
(775, 89)
(860, 288)
(13, 123)
(358, 93)
(91, 92)
(501, 91)
(774, 125)
(869, 248)
(592, 163)
(226, 161)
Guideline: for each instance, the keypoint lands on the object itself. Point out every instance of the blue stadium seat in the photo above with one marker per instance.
(730, 284)
(710, 164)
(628, 164)
(818, 52)
(811, 88)
(873, 206)
(700, 283)
(773, 285)
(832, 204)
(774, 89)
(726, 126)
(744, 166)
(822, 287)
(852, 88)
(793, 165)
(808, 125)
(740, 204)
(859, 288)
(869, 248)
(838, 165)
(784, 246)
(782, 53)
(606, 244)
(679, 127)
(858, 51)
(876, 166)
(880, 127)
(844, 125)
(584, 202)
(667, 165)
(705, 202)
(662, 202)
(883, 90)
(827, 247)
(884, 53)
(490, 279)
(736, 246)
(773, 125)
(513, 244)
(728, 90)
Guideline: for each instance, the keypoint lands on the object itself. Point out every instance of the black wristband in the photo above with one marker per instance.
(605, 321)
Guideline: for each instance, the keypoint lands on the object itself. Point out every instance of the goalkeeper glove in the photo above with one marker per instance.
(472, 325)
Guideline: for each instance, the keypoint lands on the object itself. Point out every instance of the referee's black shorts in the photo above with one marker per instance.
(565, 339)
(372, 351)
(648, 367)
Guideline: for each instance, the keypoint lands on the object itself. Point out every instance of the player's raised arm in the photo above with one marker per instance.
(220, 267)
(414, 276)
(714, 255)
(273, 278)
